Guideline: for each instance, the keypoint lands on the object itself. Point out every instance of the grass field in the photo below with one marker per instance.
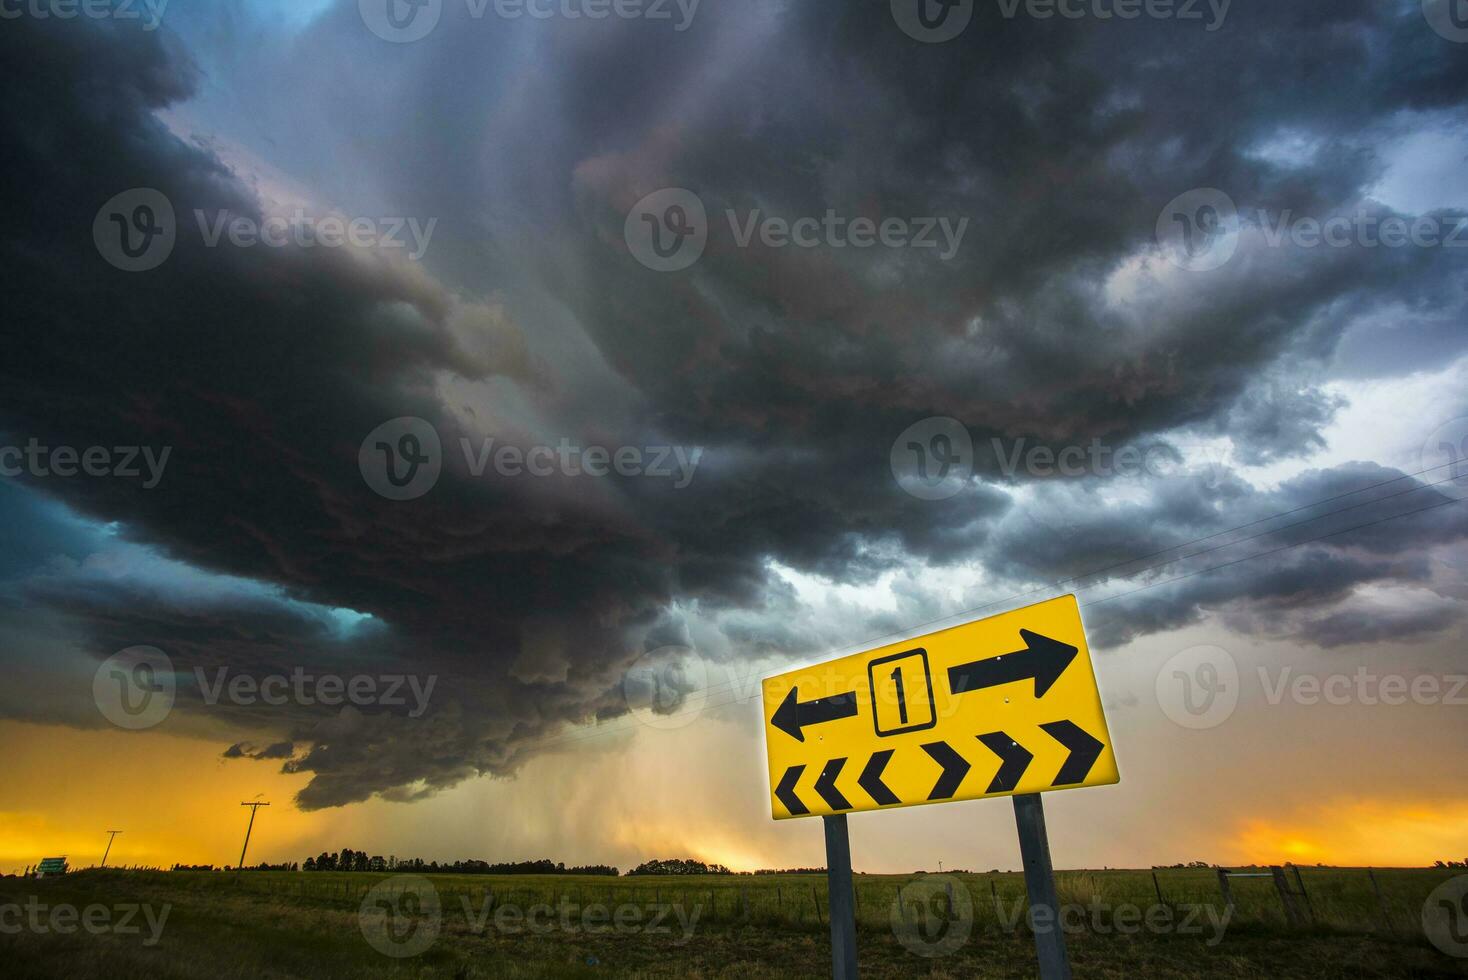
(280, 924)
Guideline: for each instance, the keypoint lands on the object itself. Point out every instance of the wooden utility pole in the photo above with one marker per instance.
(113, 834)
(254, 808)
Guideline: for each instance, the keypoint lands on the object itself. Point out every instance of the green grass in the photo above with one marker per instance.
(281, 924)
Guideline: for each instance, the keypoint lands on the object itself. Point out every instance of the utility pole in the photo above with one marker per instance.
(110, 839)
(254, 808)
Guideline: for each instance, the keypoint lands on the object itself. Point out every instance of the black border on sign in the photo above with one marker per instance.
(872, 690)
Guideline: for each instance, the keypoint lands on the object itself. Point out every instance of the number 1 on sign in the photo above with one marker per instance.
(901, 697)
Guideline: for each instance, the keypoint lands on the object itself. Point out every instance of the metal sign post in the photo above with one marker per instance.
(1034, 850)
(842, 906)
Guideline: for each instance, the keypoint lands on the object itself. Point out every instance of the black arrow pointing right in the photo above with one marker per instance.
(1042, 660)
(871, 779)
(1085, 749)
(1014, 759)
(955, 767)
(785, 792)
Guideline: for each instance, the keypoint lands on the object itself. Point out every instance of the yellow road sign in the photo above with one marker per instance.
(998, 707)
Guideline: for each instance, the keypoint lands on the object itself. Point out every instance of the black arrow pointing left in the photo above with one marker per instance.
(785, 792)
(792, 716)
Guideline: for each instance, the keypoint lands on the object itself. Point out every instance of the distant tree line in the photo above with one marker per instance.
(1452, 864)
(677, 866)
(349, 860)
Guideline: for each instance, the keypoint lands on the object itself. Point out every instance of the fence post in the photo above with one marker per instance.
(1300, 882)
(1286, 897)
(1381, 903)
(1158, 888)
(1228, 894)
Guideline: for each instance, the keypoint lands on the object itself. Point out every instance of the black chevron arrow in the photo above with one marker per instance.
(785, 792)
(1014, 760)
(1085, 749)
(792, 715)
(1043, 659)
(871, 779)
(826, 785)
(955, 767)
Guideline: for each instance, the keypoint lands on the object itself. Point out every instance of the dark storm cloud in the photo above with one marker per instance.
(795, 369)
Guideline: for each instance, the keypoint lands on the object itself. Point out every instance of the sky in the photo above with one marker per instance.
(545, 380)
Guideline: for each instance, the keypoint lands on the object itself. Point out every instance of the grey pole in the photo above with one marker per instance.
(842, 905)
(1034, 849)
